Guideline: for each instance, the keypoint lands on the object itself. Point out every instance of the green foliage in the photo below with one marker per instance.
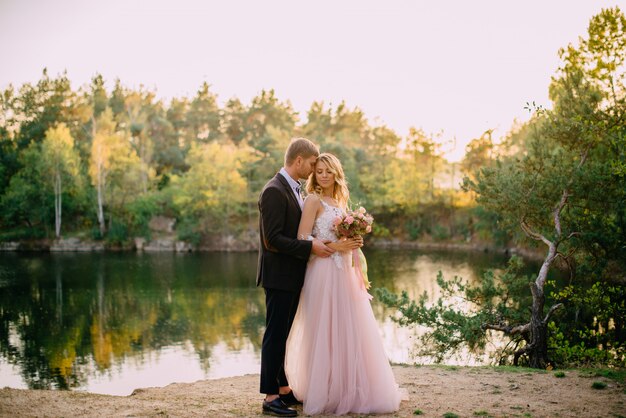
(559, 374)
(487, 226)
(454, 321)
(440, 233)
(141, 211)
(22, 233)
(598, 313)
(380, 231)
(413, 229)
(189, 232)
(213, 190)
(598, 385)
(95, 234)
(117, 233)
(418, 412)
(27, 202)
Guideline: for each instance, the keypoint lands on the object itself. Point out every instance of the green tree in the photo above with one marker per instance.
(26, 201)
(113, 166)
(59, 167)
(234, 120)
(479, 153)
(203, 117)
(8, 147)
(565, 190)
(213, 191)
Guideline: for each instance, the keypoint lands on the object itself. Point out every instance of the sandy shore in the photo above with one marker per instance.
(434, 391)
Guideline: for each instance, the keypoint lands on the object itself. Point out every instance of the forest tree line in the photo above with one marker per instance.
(101, 163)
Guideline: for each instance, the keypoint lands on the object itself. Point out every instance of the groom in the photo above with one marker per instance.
(281, 268)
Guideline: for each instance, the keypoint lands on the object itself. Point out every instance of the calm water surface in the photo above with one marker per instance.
(110, 323)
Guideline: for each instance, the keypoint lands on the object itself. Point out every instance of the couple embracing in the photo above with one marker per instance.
(321, 345)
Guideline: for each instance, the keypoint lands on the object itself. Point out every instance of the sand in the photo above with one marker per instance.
(433, 391)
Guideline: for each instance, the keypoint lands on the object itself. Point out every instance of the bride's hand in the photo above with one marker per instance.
(346, 244)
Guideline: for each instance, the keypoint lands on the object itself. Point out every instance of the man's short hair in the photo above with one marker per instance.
(300, 147)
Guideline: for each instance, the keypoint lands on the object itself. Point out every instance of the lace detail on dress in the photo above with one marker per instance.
(323, 228)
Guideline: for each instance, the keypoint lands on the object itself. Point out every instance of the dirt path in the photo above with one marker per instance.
(467, 392)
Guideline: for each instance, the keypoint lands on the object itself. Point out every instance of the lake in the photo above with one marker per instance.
(112, 322)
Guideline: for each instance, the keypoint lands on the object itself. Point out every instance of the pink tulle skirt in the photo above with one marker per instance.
(335, 360)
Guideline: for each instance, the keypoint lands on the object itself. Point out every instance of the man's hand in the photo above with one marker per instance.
(320, 249)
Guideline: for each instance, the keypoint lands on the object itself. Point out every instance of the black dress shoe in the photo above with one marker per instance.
(290, 399)
(278, 408)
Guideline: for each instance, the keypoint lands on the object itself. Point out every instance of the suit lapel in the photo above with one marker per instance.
(288, 190)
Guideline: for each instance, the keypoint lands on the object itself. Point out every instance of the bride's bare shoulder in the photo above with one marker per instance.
(312, 200)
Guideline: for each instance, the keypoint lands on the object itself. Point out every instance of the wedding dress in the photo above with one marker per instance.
(335, 361)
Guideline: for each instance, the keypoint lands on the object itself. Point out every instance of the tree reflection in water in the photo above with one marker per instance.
(67, 319)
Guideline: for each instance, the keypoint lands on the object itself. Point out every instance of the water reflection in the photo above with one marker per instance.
(109, 323)
(416, 272)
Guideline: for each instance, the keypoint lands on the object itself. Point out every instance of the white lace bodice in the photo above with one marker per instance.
(323, 228)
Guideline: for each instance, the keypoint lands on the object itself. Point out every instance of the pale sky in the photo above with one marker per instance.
(458, 66)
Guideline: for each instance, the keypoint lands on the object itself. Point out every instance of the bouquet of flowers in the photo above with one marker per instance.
(356, 223)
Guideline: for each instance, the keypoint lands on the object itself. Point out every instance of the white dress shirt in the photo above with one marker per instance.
(295, 186)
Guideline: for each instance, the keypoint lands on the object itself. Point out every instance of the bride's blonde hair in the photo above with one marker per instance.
(340, 189)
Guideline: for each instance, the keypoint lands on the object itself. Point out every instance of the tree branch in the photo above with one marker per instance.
(567, 259)
(522, 330)
(557, 212)
(532, 234)
(521, 352)
(551, 311)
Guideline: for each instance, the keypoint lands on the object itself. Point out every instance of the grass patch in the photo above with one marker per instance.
(517, 407)
(598, 385)
(559, 374)
(513, 369)
(450, 415)
(617, 375)
(481, 414)
(446, 367)
(418, 412)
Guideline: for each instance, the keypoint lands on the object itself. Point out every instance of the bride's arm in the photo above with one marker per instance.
(311, 207)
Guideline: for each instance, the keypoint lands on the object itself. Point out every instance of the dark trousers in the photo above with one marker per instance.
(281, 306)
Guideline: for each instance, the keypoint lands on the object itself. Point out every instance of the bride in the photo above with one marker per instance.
(335, 360)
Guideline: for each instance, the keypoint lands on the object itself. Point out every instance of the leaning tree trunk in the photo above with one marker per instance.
(538, 347)
(535, 332)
